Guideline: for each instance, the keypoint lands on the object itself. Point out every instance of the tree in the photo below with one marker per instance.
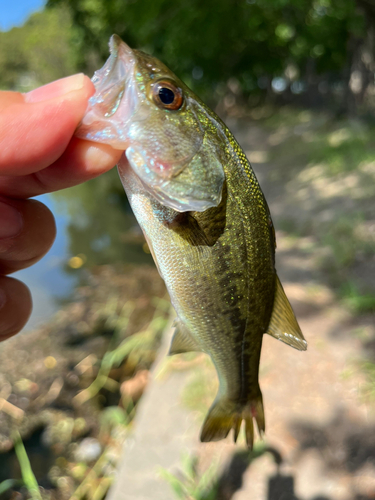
(37, 52)
(310, 42)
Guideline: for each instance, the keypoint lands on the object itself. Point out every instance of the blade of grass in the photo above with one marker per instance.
(102, 488)
(27, 473)
(114, 357)
(93, 475)
(8, 484)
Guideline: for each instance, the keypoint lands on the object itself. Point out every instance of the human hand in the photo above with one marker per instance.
(38, 154)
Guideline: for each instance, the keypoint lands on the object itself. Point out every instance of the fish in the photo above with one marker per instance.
(206, 222)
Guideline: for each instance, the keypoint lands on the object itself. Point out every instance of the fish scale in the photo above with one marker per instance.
(225, 314)
(207, 224)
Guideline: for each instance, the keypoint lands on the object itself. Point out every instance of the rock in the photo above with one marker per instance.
(88, 450)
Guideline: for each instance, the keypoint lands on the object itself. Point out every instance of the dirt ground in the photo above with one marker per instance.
(71, 409)
(320, 432)
(320, 412)
(319, 404)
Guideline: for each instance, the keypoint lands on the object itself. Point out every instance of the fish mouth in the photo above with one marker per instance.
(185, 175)
(111, 108)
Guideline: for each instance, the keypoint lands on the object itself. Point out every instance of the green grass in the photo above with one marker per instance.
(9, 484)
(345, 239)
(325, 166)
(198, 394)
(189, 484)
(92, 483)
(138, 346)
(340, 146)
(358, 302)
(26, 470)
(284, 117)
(369, 370)
(342, 149)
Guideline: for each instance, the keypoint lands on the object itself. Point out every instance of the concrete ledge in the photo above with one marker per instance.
(163, 431)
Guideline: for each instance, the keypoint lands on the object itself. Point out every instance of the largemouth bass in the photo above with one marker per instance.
(206, 221)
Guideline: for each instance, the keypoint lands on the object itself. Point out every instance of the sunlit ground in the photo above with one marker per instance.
(318, 177)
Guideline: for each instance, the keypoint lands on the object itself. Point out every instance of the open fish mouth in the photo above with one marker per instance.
(166, 146)
(112, 107)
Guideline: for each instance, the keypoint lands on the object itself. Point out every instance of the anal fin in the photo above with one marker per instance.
(283, 325)
(182, 340)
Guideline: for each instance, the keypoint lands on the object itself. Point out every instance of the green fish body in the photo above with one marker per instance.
(208, 227)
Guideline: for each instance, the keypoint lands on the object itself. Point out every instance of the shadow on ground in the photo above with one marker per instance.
(341, 445)
(280, 486)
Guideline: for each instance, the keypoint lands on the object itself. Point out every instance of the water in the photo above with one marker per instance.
(95, 226)
(47, 280)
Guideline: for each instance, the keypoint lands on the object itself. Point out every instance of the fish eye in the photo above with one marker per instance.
(167, 95)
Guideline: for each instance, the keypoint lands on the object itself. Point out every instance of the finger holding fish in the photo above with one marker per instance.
(27, 231)
(38, 154)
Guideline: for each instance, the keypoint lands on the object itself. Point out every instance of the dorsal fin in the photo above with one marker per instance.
(182, 340)
(283, 325)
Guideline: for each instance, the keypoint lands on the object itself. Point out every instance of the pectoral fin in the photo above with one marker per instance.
(186, 226)
(283, 325)
(202, 228)
(150, 247)
(182, 340)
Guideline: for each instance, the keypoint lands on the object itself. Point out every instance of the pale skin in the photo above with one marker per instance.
(38, 154)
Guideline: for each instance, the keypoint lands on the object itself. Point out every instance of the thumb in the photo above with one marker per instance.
(36, 128)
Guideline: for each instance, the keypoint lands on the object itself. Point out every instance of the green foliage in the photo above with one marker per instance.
(37, 52)
(138, 348)
(247, 43)
(343, 149)
(368, 368)
(327, 167)
(8, 484)
(113, 416)
(206, 43)
(197, 394)
(357, 301)
(189, 484)
(343, 240)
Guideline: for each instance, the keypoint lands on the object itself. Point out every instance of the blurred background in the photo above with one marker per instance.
(294, 81)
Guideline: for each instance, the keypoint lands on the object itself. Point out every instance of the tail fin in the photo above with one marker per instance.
(225, 415)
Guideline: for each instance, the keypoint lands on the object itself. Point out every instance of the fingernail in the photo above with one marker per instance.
(101, 157)
(11, 222)
(56, 89)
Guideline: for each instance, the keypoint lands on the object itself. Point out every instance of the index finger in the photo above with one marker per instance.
(36, 129)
